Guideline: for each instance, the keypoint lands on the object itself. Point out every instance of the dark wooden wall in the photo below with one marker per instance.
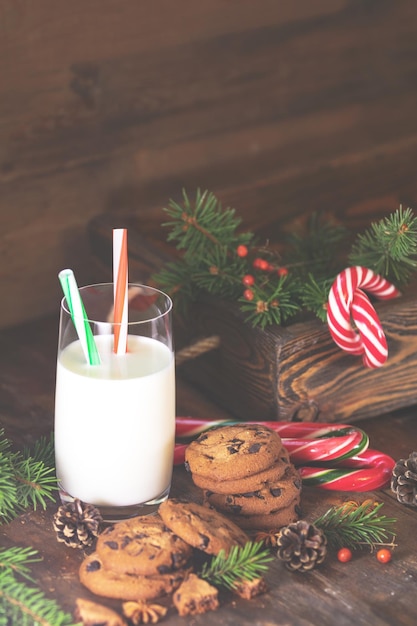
(279, 106)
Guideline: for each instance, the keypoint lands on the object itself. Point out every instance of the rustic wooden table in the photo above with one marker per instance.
(361, 592)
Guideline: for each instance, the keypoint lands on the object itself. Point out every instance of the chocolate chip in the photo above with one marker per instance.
(177, 560)
(297, 483)
(255, 447)
(235, 508)
(113, 545)
(164, 569)
(94, 566)
(204, 541)
(276, 492)
(235, 445)
(187, 466)
(251, 494)
(125, 542)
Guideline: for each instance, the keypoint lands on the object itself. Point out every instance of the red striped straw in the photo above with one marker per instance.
(120, 280)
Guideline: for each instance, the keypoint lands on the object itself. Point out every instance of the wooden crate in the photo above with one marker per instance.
(281, 373)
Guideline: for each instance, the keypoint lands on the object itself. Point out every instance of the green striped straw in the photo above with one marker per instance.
(79, 316)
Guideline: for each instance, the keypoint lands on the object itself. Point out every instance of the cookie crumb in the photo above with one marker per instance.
(195, 596)
(93, 613)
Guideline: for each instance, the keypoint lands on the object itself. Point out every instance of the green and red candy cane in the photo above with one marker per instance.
(328, 456)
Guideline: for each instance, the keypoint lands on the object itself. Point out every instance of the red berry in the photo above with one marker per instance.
(260, 264)
(242, 251)
(248, 294)
(248, 280)
(344, 555)
(384, 555)
(282, 271)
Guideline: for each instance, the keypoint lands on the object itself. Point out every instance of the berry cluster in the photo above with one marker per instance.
(260, 264)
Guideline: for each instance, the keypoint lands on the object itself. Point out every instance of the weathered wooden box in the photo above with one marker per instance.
(281, 373)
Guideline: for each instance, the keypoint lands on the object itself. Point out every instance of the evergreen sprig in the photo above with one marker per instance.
(355, 525)
(16, 560)
(28, 606)
(27, 478)
(198, 226)
(274, 302)
(208, 237)
(22, 603)
(242, 563)
(389, 247)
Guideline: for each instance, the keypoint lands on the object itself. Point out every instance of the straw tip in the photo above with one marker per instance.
(64, 273)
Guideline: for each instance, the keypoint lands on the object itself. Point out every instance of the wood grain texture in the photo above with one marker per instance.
(114, 107)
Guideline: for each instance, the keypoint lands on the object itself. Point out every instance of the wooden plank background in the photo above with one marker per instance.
(115, 105)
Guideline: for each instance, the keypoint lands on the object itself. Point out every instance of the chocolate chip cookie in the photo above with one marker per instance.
(142, 545)
(202, 528)
(269, 497)
(248, 483)
(269, 521)
(233, 452)
(104, 582)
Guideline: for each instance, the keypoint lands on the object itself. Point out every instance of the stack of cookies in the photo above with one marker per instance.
(245, 472)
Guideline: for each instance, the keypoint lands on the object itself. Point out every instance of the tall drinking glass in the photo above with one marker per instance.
(115, 422)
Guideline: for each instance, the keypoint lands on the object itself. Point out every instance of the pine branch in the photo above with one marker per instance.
(198, 226)
(209, 237)
(16, 560)
(274, 302)
(25, 479)
(318, 249)
(242, 563)
(315, 294)
(389, 247)
(8, 488)
(27, 606)
(353, 525)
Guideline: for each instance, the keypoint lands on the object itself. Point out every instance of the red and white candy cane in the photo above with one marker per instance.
(342, 449)
(347, 301)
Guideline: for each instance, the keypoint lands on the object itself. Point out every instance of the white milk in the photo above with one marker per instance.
(115, 422)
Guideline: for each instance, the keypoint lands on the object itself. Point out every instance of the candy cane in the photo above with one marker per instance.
(374, 470)
(345, 448)
(305, 442)
(347, 301)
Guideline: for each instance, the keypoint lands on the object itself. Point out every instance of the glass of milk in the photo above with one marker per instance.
(115, 422)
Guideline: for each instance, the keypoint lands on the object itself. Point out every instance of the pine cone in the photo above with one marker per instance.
(404, 480)
(301, 546)
(77, 524)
